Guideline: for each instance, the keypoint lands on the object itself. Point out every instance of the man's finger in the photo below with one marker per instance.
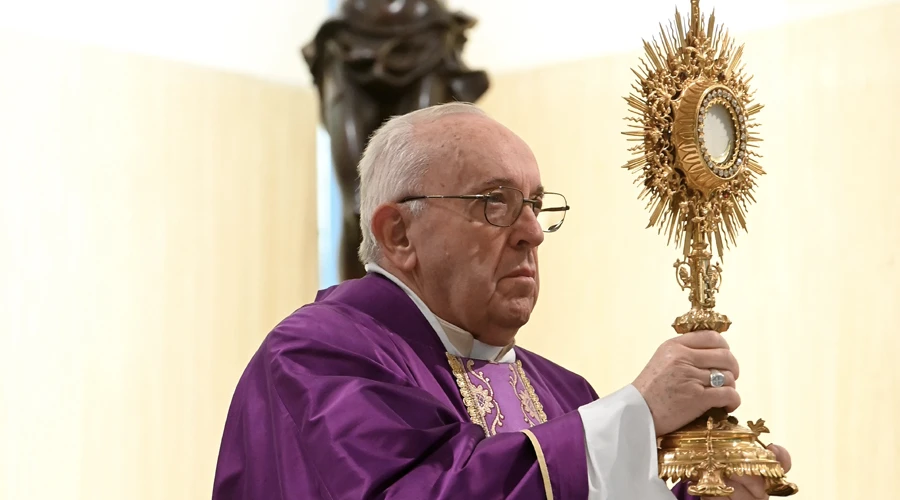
(720, 359)
(703, 339)
(754, 486)
(721, 397)
(782, 455)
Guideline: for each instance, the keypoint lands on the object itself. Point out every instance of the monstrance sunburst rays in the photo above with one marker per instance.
(692, 51)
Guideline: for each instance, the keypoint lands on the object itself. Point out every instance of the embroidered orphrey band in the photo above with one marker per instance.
(538, 407)
(479, 399)
(476, 412)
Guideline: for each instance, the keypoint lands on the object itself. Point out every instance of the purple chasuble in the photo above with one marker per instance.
(355, 397)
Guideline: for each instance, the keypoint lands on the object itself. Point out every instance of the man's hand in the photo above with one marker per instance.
(754, 487)
(675, 383)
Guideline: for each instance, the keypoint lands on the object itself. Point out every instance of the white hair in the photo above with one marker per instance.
(393, 165)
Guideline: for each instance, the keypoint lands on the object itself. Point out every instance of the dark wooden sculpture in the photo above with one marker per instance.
(376, 59)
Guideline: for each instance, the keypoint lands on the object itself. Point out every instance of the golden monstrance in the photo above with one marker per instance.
(693, 120)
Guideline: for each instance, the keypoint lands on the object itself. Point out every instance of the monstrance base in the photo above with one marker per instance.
(711, 450)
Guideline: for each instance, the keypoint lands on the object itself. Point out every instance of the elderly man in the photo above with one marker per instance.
(407, 383)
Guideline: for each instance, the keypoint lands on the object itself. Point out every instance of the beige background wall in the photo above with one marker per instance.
(813, 289)
(157, 220)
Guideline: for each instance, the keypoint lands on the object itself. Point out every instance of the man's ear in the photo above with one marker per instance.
(391, 231)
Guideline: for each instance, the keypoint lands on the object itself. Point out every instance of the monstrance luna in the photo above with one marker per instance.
(694, 123)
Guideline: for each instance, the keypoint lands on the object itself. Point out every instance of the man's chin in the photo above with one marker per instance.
(517, 311)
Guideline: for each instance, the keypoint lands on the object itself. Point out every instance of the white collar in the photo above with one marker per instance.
(456, 340)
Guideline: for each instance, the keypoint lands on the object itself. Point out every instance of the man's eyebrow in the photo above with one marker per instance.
(495, 182)
(505, 181)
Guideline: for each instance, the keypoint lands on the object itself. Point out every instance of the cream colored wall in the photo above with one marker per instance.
(813, 289)
(256, 37)
(541, 32)
(156, 221)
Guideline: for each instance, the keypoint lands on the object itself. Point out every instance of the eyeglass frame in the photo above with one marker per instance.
(484, 197)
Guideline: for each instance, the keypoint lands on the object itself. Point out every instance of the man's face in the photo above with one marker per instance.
(478, 276)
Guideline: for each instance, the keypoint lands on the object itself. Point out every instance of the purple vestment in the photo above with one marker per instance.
(353, 397)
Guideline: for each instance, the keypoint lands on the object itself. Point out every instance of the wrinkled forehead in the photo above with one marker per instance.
(472, 153)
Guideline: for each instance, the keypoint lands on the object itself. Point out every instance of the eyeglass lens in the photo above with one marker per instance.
(504, 205)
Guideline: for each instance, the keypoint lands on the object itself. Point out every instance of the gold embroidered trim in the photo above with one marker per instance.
(542, 462)
(479, 400)
(538, 407)
(483, 397)
(529, 415)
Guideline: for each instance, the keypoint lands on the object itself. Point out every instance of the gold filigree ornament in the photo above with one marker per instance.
(694, 122)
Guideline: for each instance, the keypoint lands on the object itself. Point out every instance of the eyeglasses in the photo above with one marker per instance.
(503, 205)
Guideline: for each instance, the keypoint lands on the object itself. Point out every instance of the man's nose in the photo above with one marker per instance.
(527, 230)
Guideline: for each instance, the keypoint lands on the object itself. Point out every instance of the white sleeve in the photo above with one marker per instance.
(621, 448)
